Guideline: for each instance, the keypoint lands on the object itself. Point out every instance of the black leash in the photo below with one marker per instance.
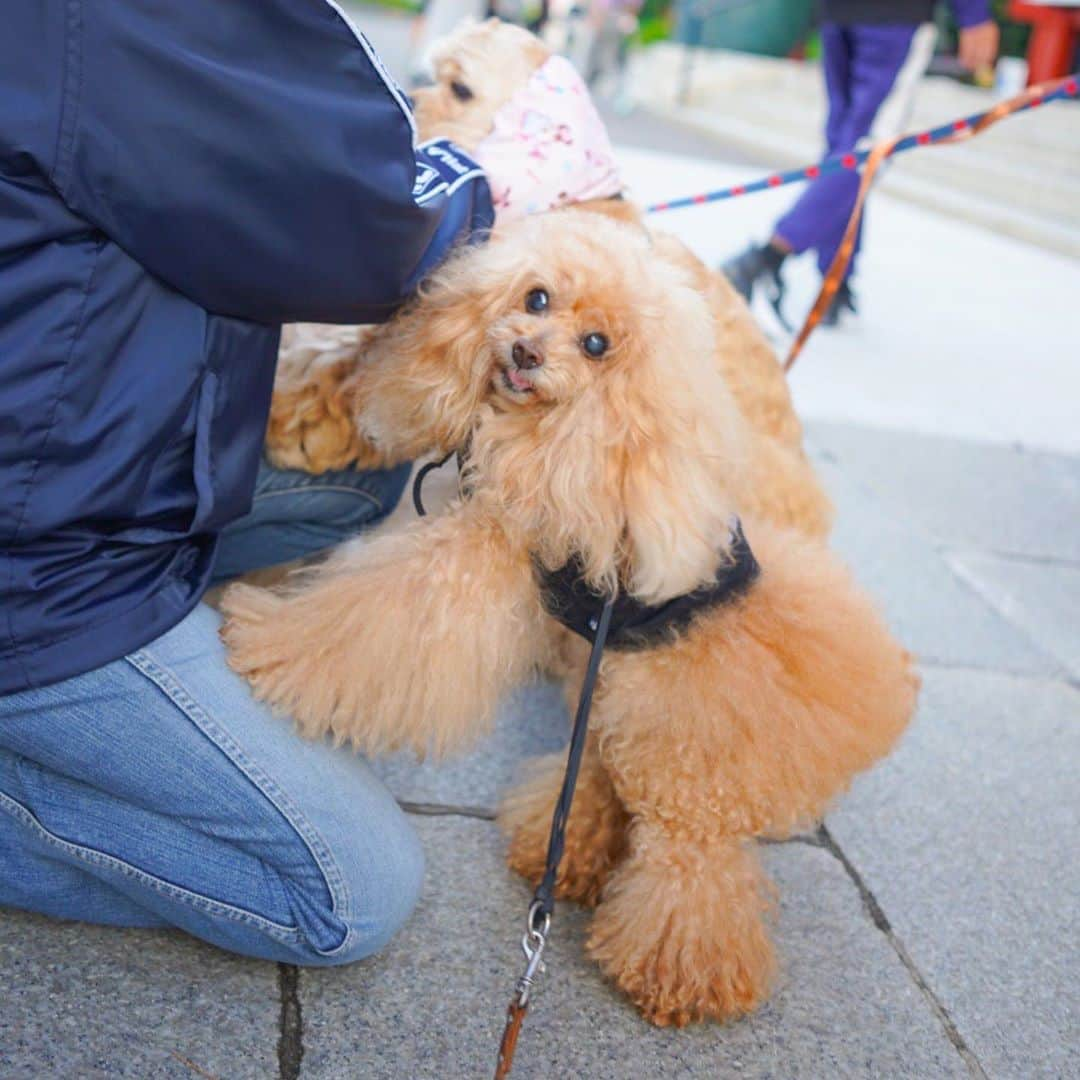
(418, 481)
(542, 907)
(590, 614)
(538, 922)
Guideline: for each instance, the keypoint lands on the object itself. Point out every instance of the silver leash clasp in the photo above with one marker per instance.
(532, 945)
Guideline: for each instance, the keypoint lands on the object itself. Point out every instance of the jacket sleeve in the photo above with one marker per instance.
(970, 12)
(256, 156)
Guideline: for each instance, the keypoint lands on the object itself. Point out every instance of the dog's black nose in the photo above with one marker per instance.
(526, 355)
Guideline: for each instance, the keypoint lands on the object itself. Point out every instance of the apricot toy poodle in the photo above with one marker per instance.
(576, 361)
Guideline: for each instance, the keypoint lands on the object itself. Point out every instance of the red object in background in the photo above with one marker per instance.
(1054, 34)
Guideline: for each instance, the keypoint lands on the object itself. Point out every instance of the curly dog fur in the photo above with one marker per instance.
(309, 426)
(745, 725)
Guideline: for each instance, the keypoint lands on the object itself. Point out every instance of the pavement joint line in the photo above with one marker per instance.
(290, 1046)
(482, 813)
(192, 1066)
(881, 921)
(427, 809)
(1061, 676)
(1060, 561)
(976, 589)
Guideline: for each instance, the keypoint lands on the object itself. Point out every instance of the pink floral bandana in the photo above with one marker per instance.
(548, 146)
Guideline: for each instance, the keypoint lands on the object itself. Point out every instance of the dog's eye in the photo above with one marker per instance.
(594, 345)
(461, 91)
(537, 301)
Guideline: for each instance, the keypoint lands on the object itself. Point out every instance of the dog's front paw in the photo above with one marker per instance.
(265, 649)
(248, 633)
(684, 932)
(673, 988)
(292, 651)
(680, 976)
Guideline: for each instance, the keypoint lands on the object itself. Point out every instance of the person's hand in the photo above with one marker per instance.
(979, 45)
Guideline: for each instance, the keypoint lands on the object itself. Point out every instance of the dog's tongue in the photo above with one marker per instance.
(517, 380)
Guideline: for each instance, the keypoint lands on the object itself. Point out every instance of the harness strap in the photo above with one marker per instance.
(570, 600)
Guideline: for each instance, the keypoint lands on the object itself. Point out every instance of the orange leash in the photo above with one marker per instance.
(878, 154)
(514, 1016)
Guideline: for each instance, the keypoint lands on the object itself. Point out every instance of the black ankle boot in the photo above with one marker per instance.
(758, 263)
(844, 300)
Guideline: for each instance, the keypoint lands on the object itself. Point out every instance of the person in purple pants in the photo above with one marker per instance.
(865, 43)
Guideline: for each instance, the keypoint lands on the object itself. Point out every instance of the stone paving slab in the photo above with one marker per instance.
(87, 1002)
(968, 838)
(974, 495)
(533, 721)
(932, 612)
(432, 1006)
(1041, 598)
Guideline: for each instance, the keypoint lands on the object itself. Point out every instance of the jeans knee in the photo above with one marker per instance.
(393, 889)
(384, 887)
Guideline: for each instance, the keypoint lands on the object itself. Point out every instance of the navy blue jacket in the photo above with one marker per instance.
(177, 179)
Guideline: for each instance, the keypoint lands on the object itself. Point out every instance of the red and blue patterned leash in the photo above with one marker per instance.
(1065, 88)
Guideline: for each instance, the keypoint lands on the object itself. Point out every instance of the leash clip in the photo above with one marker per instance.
(532, 945)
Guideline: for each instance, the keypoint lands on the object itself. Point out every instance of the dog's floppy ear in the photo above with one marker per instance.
(433, 354)
(681, 453)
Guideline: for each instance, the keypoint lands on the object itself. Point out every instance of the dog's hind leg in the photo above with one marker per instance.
(409, 640)
(595, 831)
(683, 925)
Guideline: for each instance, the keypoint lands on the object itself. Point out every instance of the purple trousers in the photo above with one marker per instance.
(861, 63)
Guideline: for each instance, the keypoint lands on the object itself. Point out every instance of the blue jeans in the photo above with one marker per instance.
(155, 791)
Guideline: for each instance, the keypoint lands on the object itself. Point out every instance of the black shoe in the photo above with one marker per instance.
(758, 264)
(844, 300)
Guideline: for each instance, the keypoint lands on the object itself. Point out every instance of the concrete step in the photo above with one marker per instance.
(1021, 178)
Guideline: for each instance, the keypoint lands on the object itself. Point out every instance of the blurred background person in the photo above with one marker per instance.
(598, 40)
(873, 54)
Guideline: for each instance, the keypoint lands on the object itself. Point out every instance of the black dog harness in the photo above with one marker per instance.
(635, 625)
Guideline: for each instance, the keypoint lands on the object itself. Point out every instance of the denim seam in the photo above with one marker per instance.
(100, 858)
(170, 685)
(337, 489)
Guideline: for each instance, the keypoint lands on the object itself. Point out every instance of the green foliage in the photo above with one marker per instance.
(657, 28)
(412, 6)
